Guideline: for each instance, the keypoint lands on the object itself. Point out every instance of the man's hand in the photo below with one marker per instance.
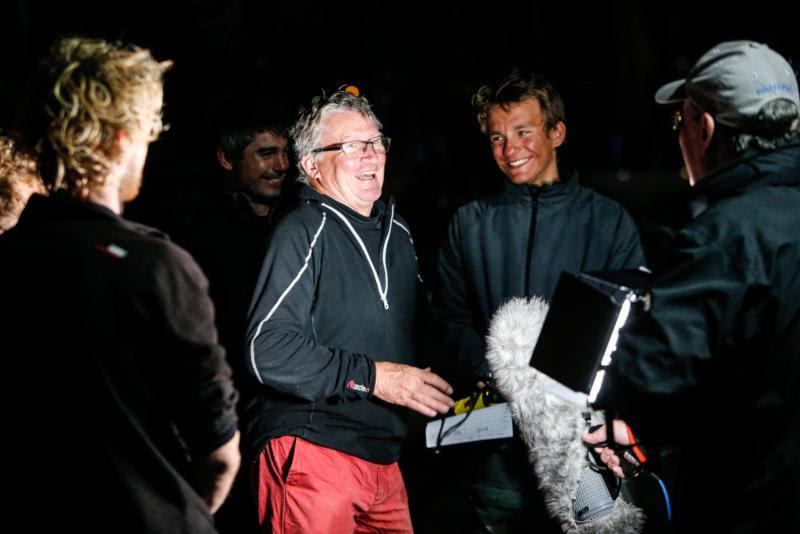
(418, 389)
(607, 455)
(214, 474)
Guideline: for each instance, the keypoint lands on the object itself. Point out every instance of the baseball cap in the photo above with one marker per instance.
(733, 81)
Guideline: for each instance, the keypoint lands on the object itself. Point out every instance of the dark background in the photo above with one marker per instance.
(418, 63)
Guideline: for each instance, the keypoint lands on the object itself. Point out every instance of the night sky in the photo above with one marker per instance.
(418, 63)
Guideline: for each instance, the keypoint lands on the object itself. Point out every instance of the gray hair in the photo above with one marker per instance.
(312, 121)
(775, 123)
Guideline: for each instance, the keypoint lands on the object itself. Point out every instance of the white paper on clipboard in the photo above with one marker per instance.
(493, 422)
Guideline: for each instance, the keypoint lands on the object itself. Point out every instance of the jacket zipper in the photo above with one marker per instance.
(534, 193)
(382, 291)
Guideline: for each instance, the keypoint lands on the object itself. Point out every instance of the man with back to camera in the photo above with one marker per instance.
(718, 353)
(332, 338)
(120, 401)
(516, 243)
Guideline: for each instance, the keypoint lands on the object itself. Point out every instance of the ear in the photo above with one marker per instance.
(707, 126)
(558, 134)
(223, 160)
(121, 140)
(310, 166)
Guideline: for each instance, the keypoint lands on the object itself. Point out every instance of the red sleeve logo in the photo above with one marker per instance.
(352, 386)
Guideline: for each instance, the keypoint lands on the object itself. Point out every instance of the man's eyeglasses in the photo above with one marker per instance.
(355, 148)
(677, 121)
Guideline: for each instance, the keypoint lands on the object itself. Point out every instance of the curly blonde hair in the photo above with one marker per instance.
(93, 90)
(19, 179)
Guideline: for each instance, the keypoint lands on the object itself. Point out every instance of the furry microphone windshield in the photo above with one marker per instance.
(550, 426)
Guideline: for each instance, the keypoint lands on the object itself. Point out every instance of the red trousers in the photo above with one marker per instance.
(302, 487)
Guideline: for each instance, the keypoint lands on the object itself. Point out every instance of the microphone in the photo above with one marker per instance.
(598, 488)
(579, 493)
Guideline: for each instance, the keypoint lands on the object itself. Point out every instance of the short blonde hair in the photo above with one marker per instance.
(93, 90)
(18, 180)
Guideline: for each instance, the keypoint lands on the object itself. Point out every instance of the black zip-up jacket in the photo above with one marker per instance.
(337, 292)
(516, 243)
(114, 382)
(714, 367)
(228, 241)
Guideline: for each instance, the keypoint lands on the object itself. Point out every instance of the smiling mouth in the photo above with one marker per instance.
(518, 163)
(366, 175)
(273, 180)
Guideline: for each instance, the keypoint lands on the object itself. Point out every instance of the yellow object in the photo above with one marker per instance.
(466, 404)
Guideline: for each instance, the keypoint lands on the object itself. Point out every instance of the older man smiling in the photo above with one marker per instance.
(332, 338)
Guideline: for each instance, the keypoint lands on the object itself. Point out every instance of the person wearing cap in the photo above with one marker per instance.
(333, 338)
(713, 368)
(516, 243)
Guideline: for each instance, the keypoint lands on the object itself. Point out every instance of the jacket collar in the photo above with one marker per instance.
(565, 187)
(754, 168)
(379, 209)
(60, 206)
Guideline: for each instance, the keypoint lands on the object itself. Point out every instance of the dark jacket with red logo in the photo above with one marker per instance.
(336, 293)
(114, 383)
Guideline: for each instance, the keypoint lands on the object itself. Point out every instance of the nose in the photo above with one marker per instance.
(509, 147)
(283, 161)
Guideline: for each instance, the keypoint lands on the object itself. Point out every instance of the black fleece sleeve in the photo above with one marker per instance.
(626, 252)
(452, 306)
(191, 371)
(664, 359)
(282, 351)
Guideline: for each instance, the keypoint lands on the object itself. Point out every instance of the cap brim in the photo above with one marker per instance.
(672, 92)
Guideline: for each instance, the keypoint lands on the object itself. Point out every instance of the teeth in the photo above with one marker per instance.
(518, 162)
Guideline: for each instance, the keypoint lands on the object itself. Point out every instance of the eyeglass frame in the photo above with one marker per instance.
(678, 119)
(338, 146)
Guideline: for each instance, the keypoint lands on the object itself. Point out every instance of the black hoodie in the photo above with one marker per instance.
(336, 293)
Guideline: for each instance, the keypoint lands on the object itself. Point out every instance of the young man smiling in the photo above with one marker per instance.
(516, 243)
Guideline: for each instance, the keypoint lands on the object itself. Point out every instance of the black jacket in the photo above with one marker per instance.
(516, 243)
(228, 241)
(714, 367)
(113, 378)
(320, 319)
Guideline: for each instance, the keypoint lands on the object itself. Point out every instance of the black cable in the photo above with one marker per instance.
(471, 407)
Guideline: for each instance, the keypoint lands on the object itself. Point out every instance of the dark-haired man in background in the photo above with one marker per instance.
(228, 237)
